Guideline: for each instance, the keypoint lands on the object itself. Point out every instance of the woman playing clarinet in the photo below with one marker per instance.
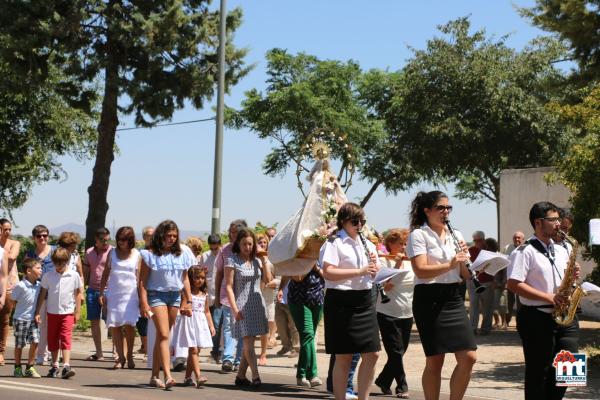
(438, 307)
(349, 265)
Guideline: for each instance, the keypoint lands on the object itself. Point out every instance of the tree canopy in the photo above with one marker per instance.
(470, 106)
(151, 56)
(305, 94)
(577, 22)
(37, 126)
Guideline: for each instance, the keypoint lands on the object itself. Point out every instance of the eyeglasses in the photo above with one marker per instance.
(552, 220)
(442, 208)
(103, 240)
(41, 236)
(357, 221)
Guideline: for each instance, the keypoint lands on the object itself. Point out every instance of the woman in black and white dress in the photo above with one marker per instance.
(350, 317)
(438, 307)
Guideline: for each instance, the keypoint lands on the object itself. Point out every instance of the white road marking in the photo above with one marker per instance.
(55, 392)
(15, 382)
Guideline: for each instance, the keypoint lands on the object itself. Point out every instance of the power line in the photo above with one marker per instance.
(168, 124)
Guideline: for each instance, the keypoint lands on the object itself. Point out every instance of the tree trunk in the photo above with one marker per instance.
(98, 190)
(371, 191)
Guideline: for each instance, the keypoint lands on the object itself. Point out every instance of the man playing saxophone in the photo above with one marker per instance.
(535, 274)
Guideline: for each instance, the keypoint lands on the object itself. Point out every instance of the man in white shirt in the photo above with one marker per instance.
(517, 239)
(535, 273)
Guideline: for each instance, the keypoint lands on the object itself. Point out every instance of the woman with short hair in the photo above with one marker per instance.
(120, 278)
(395, 317)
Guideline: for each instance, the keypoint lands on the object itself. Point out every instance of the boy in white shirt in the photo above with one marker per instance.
(26, 330)
(63, 287)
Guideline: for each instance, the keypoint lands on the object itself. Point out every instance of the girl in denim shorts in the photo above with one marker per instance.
(164, 289)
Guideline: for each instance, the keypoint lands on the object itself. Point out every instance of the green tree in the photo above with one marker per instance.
(37, 126)
(577, 22)
(470, 107)
(305, 95)
(578, 169)
(151, 55)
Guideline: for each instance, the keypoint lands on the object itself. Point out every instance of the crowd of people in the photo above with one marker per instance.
(227, 297)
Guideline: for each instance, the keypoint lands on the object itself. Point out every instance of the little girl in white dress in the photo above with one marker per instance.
(195, 332)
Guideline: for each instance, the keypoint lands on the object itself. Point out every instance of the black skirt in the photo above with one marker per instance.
(350, 322)
(441, 318)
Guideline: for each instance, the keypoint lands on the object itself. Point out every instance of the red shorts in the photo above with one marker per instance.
(60, 331)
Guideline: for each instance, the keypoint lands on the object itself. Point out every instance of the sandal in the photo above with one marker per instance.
(130, 363)
(256, 382)
(169, 383)
(157, 383)
(118, 364)
(402, 395)
(201, 381)
(94, 357)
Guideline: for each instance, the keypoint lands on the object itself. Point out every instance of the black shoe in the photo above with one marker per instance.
(384, 390)
(67, 372)
(227, 366)
(242, 382)
(179, 367)
(53, 372)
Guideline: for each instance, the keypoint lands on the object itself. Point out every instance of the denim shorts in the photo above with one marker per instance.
(92, 302)
(156, 298)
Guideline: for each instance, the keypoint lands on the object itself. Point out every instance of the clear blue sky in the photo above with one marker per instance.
(168, 172)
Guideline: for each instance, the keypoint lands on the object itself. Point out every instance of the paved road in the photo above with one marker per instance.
(96, 381)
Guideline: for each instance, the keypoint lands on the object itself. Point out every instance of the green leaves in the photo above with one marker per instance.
(37, 126)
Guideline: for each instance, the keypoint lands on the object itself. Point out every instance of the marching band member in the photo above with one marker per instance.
(350, 318)
(534, 274)
(438, 307)
(395, 317)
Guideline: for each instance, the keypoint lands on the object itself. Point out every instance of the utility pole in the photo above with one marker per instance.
(216, 207)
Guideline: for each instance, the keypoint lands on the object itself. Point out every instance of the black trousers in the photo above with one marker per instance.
(395, 334)
(542, 338)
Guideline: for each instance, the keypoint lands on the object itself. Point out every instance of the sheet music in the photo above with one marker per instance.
(595, 231)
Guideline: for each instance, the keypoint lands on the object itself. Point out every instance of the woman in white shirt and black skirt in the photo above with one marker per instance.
(350, 318)
(438, 307)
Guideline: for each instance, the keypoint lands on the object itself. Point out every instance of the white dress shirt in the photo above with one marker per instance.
(425, 241)
(530, 266)
(347, 253)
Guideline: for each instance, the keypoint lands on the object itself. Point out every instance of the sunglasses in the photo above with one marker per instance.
(43, 235)
(442, 208)
(356, 222)
(552, 219)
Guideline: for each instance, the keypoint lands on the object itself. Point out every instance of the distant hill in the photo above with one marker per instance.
(80, 229)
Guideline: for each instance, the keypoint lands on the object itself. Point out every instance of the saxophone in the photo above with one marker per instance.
(569, 288)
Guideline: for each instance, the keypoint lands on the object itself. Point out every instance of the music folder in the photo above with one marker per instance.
(490, 262)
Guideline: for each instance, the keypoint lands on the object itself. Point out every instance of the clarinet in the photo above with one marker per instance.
(379, 287)
(478, 286)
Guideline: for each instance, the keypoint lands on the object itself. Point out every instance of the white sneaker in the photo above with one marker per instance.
(351, 396)
(315, 382)
(303, 382)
